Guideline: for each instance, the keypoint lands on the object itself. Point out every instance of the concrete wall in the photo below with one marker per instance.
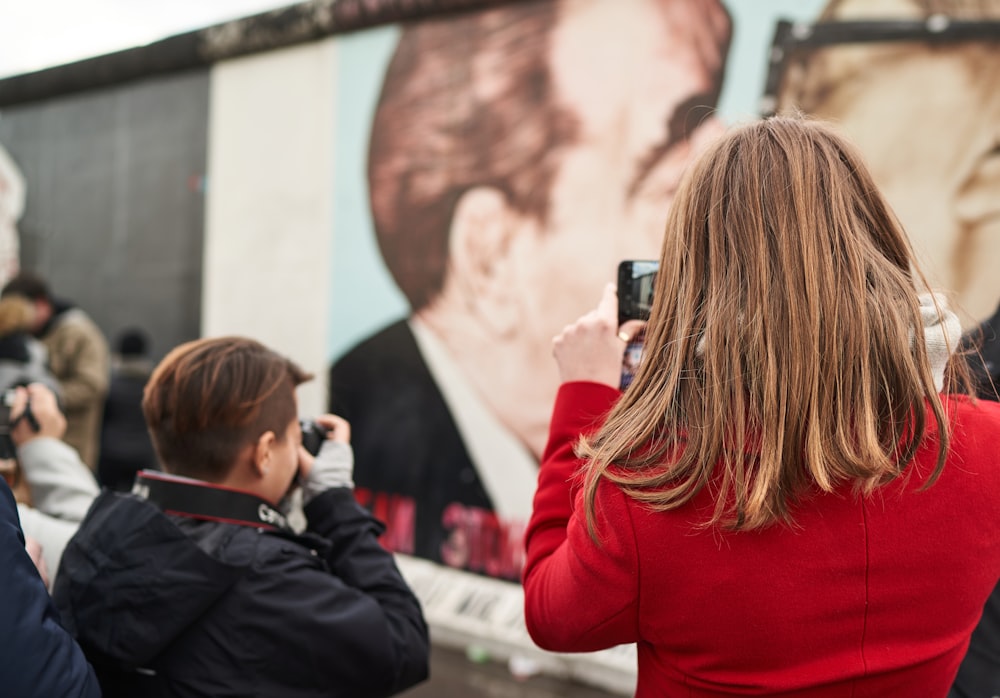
(269, 216)
(115, 209)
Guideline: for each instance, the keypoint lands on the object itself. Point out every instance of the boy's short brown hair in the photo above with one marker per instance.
(210, 398)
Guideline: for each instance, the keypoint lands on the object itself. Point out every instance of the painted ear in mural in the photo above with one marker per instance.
(481, 266)
(978, 208)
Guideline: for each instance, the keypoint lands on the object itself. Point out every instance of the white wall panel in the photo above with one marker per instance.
(269, 210)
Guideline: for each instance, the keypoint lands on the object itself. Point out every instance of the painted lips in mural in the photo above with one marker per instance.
(516, 155)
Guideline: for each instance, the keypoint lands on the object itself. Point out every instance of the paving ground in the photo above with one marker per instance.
(453, 675)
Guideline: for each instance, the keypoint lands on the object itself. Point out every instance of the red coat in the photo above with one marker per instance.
(872, 596)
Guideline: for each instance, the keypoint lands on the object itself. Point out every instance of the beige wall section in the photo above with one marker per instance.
(269, 216)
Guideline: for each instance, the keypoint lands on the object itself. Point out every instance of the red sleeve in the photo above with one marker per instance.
(579, 595)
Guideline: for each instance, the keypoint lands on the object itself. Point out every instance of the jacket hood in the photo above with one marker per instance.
(130, 581)
(59, 309)
(14, 347)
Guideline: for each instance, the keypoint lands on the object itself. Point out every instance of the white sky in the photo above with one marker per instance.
(37, 34)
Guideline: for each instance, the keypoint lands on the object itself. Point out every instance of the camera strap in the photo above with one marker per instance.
(196, 499)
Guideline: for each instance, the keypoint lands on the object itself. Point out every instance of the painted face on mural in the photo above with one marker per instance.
(517, 154)
(643, 107)
(926, 119)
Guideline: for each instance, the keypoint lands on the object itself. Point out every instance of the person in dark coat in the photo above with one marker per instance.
(78, 357)
(979, 673)
(983, 345)
(194, 584)
(38, 658)
(125, 444)
(23, 360)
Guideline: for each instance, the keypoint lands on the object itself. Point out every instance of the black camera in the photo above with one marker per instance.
(313, 435)
(8, 450)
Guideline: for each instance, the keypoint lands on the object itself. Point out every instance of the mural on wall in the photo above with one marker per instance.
(512, 162)
(920, 95)
(12, 197)
(514, 155)
(492, 167)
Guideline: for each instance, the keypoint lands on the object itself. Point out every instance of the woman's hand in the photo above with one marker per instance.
(593, 347)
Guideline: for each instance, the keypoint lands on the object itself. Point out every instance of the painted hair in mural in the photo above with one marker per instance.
(517, 154)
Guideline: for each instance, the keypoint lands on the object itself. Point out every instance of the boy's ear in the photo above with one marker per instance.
(482, 230)
(262, 452)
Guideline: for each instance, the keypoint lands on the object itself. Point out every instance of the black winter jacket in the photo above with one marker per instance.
(172, 606)
(979, 674)
(38, 658)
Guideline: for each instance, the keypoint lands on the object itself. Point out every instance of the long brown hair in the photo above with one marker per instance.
(785, 350)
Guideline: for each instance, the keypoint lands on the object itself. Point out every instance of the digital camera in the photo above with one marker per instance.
(313, 435)
(8, 450)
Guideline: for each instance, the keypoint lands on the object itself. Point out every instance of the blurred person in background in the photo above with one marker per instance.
(794, 497)
(23, 360)
(125, 444)
(58, 488)
(194, 584)
(78, 358)
(52, 486)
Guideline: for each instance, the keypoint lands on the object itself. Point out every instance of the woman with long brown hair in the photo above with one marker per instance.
(793, 497)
